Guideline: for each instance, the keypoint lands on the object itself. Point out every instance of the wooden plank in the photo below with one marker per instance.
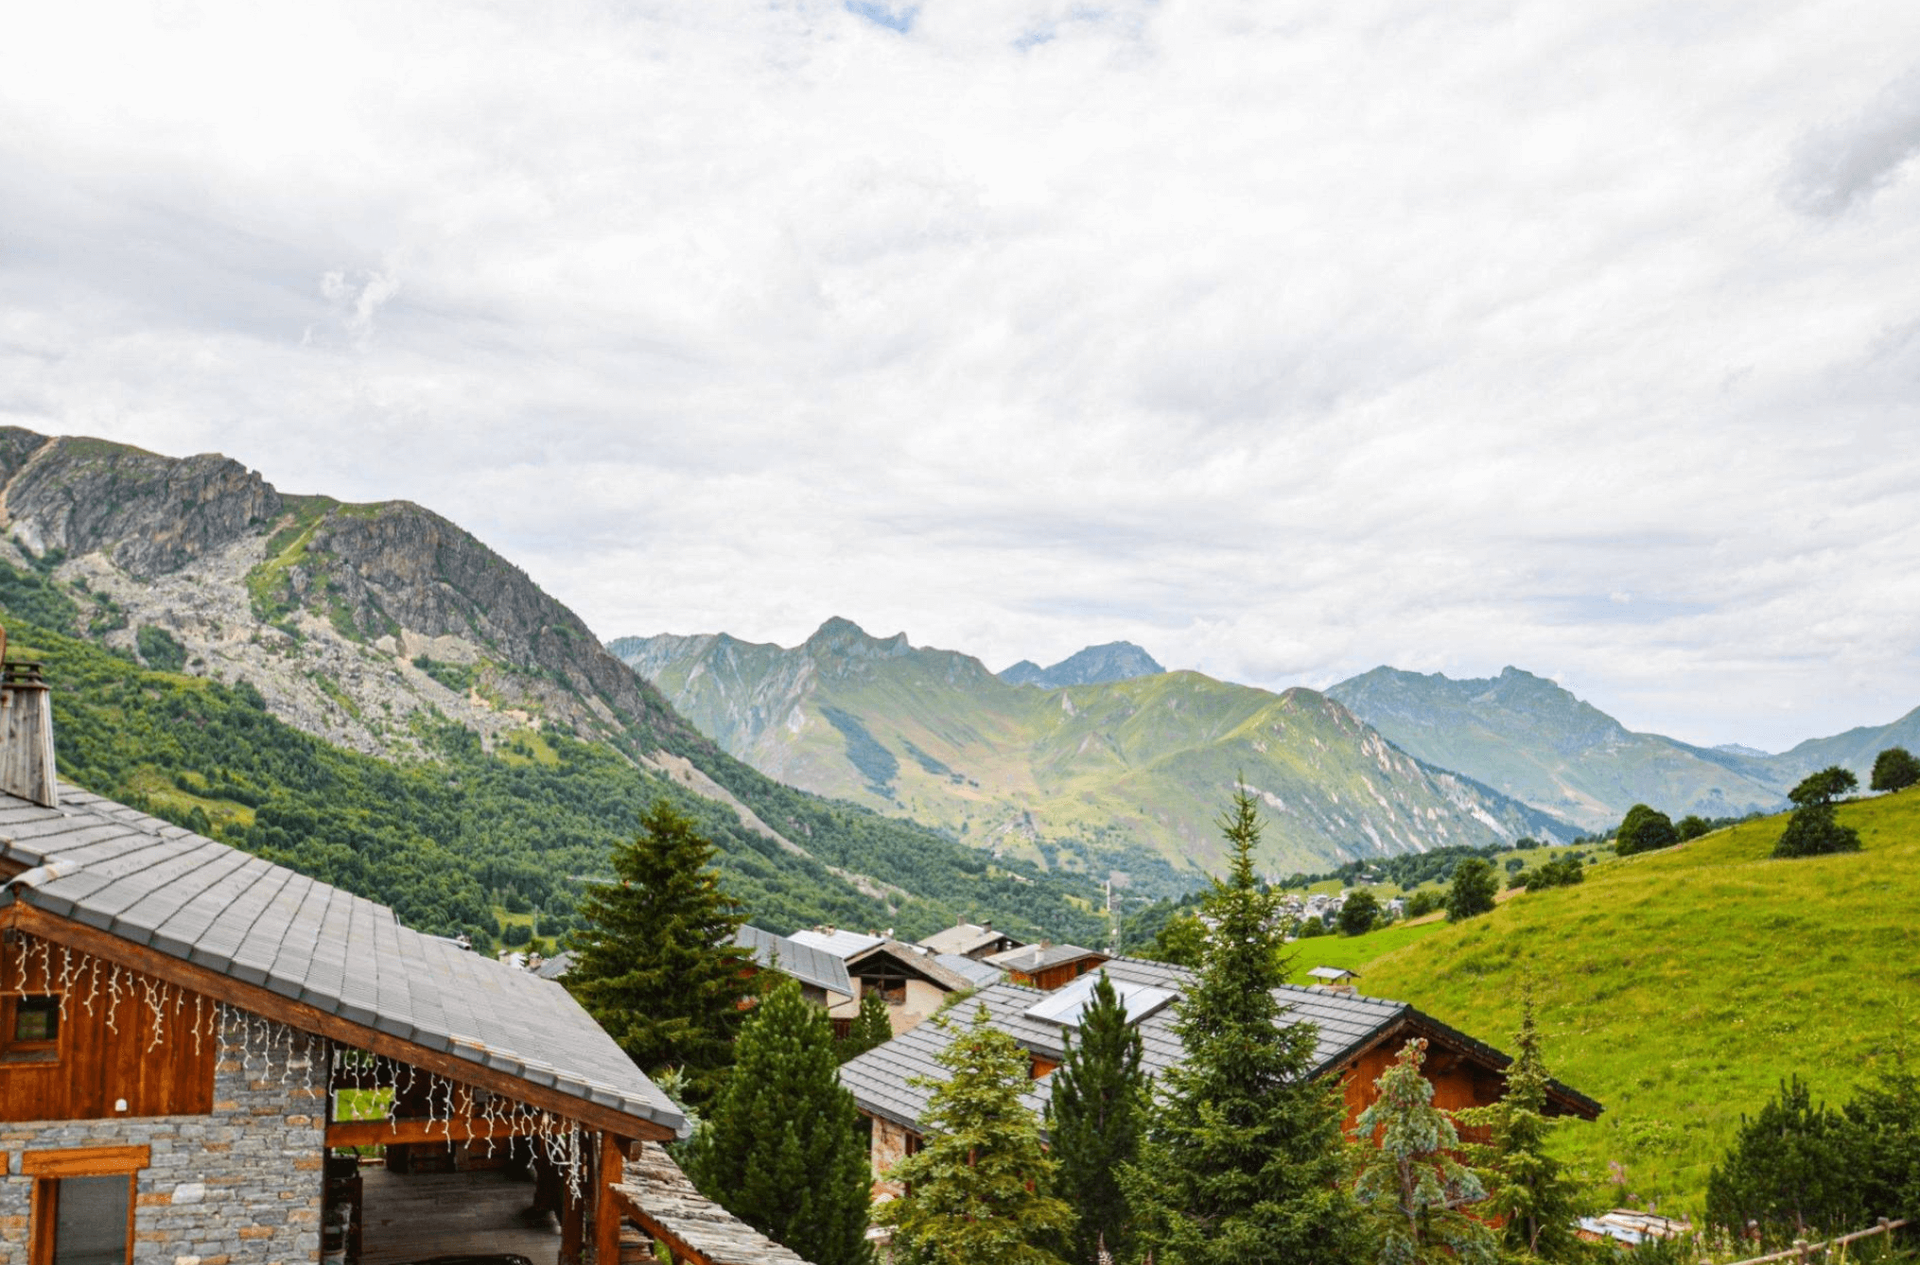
(395, 1132)
(573, 1226)
(263, 1001)
(85, 1161)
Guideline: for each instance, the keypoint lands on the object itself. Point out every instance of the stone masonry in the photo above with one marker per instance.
(242, 1186)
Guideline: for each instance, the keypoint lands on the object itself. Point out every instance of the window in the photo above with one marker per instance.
(29, 1029)
(83, 1203)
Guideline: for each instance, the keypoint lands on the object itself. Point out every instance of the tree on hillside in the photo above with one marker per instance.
(870, 1027)
(782, 1148)
(1644, 829)
(1358, 913)
(978, 1192)
(1472, 891)
(655, 962)
(1812, 830)
(1789, 1175)
(1424, 902)
(1692, 826)
(1095, 1119)
(1410, 1186)
(1894, 769)
(1531, 1194)
(1243, 1162)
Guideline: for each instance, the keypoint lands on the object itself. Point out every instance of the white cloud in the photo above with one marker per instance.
(1282, 339)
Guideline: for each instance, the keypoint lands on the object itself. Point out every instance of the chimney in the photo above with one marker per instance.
(26, 732)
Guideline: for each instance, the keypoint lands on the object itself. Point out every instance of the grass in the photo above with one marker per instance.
(526, 746)
(1356, 953)
(1680, 987)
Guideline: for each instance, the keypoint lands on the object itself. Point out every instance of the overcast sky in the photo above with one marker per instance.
(1283, 339)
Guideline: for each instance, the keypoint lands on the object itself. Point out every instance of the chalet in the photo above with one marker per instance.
(1357, 1038)
(188, 1033)
(1047, 966)
(970, 940)
(909, 978)
(822, 976)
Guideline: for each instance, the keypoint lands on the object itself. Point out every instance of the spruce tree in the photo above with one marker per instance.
(1410, 1186)
(1792, 1173)
(1094, 1120)
(978, 1192)
(1243, 1162)
(1531, 1193)
(655, 963)
(870, 1027)
(782, 1149)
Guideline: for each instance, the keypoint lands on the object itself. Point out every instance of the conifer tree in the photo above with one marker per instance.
(655, 963)
(1410, 1186)
(978, 1193)
(1244, 1160)
(1094, 1121)
(1531, 1192)
(871, 1027)
(781, 1149)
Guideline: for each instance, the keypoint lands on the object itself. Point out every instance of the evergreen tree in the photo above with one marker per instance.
(782, 1149)
(1530, 1190)
(978, 1191)
(1885, 1116)
(1410, 1186)
(1472, 891)
(655, 962)
(1790, 1174)
(870, 1027)
(1094, 1120)
(1244, 1161)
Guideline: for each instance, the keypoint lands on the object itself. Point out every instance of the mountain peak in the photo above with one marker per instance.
(1095, 665)
(839, 635)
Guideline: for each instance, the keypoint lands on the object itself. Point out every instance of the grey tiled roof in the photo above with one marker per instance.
(975, 971)
(842, 944)
(912, 957)
(804, 962)
(964, 938)
(1345, 1025)
(556, 967)
(152, 883)
(1035, 957)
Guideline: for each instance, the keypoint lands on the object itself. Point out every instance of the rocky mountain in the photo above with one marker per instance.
(376, 627)
(1126, 775)
(1095, 665)
(1529, 738)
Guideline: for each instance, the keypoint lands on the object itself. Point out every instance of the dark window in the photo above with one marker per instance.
(90, 1221)
(36, 1019)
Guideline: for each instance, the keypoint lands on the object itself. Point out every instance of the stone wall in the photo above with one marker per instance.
(241, 1186)
(891, 1143)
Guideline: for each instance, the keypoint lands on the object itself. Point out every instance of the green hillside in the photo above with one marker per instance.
(1121, 775)
(1680, 987)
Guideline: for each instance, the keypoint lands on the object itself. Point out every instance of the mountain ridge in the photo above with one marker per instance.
(1091, 665)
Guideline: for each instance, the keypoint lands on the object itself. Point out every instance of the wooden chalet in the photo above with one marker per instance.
(1047, 966)
(198, 1048)
(1357, 1037)
(970, 940)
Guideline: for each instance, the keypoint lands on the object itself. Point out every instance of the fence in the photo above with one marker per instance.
(1802, 1251)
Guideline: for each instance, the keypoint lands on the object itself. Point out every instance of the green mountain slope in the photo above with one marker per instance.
(1528, 738)
(1125, 775)
(1680, 987)
(373, 652)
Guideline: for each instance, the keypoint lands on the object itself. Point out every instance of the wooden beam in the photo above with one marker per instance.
(611, 1171)
(395, 1132)
(87, 1161)
(264, 1001)
(573, 1225)
(682, 1250)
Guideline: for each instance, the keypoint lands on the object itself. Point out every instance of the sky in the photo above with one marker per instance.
(1283, 340)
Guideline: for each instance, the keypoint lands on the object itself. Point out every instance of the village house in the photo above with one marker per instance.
(822, 977)
(910, 979)
(970, 940)
(197, 1045)
(1047, 966)
(1358, 1037)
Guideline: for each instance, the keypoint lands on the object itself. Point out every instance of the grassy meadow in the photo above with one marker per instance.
(1680, 987)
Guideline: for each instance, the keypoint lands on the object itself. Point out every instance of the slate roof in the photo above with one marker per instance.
(556, 967)
(152, 883)
(1346, 1024)
(976, 972)
(913, 958)
(964, 938)
(1034, 957)
(803, 962)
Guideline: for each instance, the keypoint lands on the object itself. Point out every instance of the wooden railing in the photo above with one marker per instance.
(1802, 1251)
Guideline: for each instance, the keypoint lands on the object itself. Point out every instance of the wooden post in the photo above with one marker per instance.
(573, 1225)
(606, 1207)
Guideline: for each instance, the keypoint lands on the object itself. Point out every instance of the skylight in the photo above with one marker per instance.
(1067, 1006)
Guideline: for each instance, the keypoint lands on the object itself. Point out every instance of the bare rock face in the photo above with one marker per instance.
(349, 619)
(150, 514)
